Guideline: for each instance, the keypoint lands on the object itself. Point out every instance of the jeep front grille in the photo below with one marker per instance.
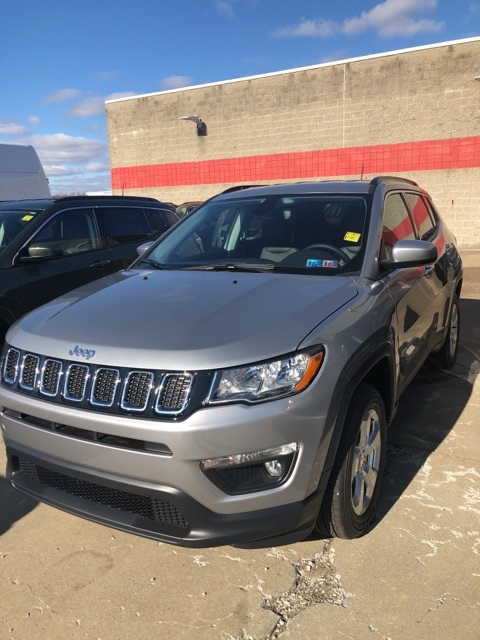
(140, 392)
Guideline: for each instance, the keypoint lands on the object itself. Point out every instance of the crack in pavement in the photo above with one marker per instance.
(316, 582)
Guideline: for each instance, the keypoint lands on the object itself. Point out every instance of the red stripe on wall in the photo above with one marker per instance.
(429, 155)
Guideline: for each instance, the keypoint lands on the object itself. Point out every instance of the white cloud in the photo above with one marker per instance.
(175, 82)
(389, 18)
(225, 8)
(62, 95)
(393, 18)
(73, 164)
(94, 105)
(60, 148)
(13, 129)
(34, 120)
(309, 28)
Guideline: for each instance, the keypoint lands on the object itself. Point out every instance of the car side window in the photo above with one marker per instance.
(69, 232)
(125, 225)
(156, 221)
(397, 224)
(421, 215)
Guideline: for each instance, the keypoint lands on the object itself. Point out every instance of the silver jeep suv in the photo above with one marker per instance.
(235, 384)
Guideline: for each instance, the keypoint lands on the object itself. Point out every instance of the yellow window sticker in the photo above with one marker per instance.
(352, 236)
(27, 218)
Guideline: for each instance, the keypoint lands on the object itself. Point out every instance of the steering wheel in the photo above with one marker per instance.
(331, 248)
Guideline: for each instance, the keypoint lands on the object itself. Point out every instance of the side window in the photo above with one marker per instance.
(421, 216)
(70, 232)
(397, 224)
(125, 225)
(156, 221)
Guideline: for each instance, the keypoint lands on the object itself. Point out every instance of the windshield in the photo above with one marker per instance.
(314, 234)
(12, 222)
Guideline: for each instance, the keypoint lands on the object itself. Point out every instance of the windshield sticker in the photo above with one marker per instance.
(323, 264)
(352, 236)
(27, 217)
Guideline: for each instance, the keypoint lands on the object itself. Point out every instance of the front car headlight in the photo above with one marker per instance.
(266, 380)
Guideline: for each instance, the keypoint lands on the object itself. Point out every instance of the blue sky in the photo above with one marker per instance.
(60, 60)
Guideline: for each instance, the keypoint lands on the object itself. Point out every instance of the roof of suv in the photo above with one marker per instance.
(324, 186)
(42, 203)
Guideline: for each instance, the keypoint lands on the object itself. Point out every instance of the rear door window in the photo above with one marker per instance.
(157, 221)
(421, 215)
(125, 225)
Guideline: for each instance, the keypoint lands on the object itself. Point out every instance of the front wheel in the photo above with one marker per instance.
(349, 505)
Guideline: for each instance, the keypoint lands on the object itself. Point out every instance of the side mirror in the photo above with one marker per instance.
(410, 253)
(143, 248)
(42, 252)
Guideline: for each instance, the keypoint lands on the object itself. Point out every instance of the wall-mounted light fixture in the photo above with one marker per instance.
(201, 126)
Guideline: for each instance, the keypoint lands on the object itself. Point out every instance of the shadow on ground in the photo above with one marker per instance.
(13, 505)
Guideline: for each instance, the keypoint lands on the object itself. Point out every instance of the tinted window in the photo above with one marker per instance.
(69, 232)
(421, 215)
(156, 221)
(397, 224)
(125, 225)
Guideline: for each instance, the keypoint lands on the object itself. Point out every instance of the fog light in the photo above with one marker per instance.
(252, 457)
(274, 468)
(251, 471)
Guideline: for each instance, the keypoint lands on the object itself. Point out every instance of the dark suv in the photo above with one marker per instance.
(48, 247)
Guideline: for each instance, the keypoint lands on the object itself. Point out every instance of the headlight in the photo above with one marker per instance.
(266, 380)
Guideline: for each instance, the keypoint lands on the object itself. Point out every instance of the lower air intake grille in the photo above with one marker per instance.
(142, 506)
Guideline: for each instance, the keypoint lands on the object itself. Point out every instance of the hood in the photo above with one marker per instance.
(183, 319)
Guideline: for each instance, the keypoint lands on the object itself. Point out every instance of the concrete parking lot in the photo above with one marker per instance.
(415, 576)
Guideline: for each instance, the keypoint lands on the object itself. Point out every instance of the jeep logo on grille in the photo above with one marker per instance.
(82, 353)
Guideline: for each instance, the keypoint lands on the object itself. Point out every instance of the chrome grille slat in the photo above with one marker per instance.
(10, 368)
(137, 390)
(50, 380)
(104, 386)
(174, 393)
(145, 393)
(76, 382)
(29, 371)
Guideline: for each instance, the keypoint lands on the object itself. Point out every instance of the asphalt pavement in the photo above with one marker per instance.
(415, 576)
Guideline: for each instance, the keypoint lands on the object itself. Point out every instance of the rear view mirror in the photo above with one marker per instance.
(410, 253)
(143, 248)
(44, 251)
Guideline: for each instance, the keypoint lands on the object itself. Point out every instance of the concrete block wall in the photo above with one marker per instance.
(414, 113)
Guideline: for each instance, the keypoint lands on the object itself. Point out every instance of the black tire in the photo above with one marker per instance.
(446, 356)
(349, 505)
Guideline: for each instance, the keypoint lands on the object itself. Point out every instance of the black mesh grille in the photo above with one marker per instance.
(51, 377)
(29, 371)
(137, 390)
(143, 506)
(174, 393)
(11, 365)
(76, 381)
(105, 384)
(242, 475)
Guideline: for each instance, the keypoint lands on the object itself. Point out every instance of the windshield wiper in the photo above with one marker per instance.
(235, 266)
(154, 263)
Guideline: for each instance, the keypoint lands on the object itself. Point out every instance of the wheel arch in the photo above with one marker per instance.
(378, 371)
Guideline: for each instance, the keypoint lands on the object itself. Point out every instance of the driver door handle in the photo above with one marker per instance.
(100, 263)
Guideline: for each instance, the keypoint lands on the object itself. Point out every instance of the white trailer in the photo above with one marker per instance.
(21, 173)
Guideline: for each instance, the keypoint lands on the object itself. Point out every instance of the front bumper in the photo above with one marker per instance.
(158, 512)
